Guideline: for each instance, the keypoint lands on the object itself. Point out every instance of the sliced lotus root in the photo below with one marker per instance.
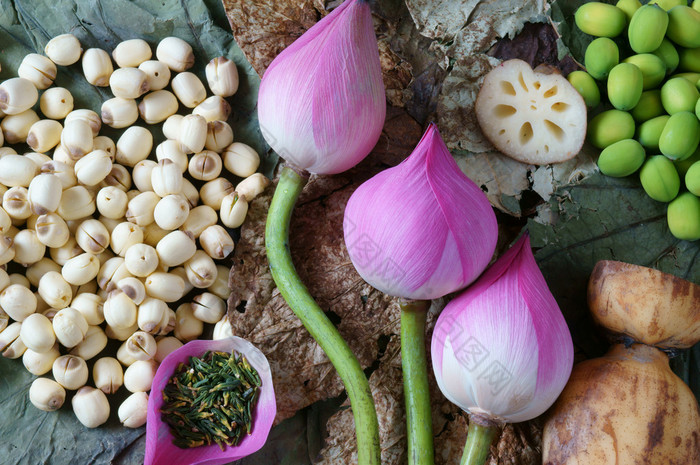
(534, 117)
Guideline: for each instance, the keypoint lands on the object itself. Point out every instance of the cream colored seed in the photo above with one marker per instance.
(172, 150)
(7, 250)
(131, 53)
(123, 355)
(76, 138)
(57, 292)
(157, 106)
(90, 305)
(38, 69)
(180, 271)
(97, 67)
(93, 168)
(222, 76)
(87, 116)
(233, 210)
(241, 159)
(81, 269)
(62, 254)
(46, 394)
(252, 186)
(119, 112)
(119, 177)
(134, 145)
(17, 170)
(193, 133)
(133, 411)
(153, 233)
(216, 242)
(39, 159)
(40, 363)
(141, 260)
(5, 221)
(9, 335)
(190, 192)
(51, 230)
(89, 287)
(37, 333)
(166, 345)
(175, 248)
(167, 287)
(16, 278)
(166, 178)
(15, 128)
(201, 270)
(60, 155)
(28, 249)
(171, 127)
(213, 192)
(45, 193)
(208, 308)
(17, 95)
(124, 236)
(64, 50)
(76, 203)
(138, 377)
(56, 102)
(111, 202)
(90, 406)
(140, 209)
(92, 236)
(15, 350)
(141, 346)
(16, 203)
(39, 269)
(95, 341)
(63, 172)
(142, 175)
(188, 89)
(115, 275)
(70, 371)
(199, 219)
(171, 212)
(154, 316)
(214, 108)
(219, 136)
(105, 143)
(70, 327)
(4, 282)
(222, 329)
(175, 53)
(133, 288)
(120, 334)
(205, 166)
(128, 83)
(119, 310)
(108, 375)
(157, 74)
(7, 150)
(187, 326)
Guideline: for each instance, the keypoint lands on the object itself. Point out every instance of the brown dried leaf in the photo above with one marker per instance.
(301, 371)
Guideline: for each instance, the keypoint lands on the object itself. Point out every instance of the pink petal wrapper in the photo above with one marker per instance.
(160, 449)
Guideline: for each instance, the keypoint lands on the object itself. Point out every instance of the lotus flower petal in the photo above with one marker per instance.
(160, 449)
(502, 348)
(321, 103)
(422, 229)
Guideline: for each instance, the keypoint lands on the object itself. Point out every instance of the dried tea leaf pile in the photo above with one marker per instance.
(210, 400)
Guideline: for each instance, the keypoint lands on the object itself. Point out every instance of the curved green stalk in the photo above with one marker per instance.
(315, 320)
(479, 439)
(419, 423)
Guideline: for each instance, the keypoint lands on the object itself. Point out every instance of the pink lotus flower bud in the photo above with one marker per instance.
(321, 103)
(501, 349)
(422, 229)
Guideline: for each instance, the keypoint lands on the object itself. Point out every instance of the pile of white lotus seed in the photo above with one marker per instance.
(107, 237)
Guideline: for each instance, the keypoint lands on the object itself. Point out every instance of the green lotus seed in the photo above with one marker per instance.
(679, 94)
(628, 7)
(649, 106)
(624, 86)
(691, 76)
(668, 54)
(600, 19)
(682, 166)
(684, 26)
(683, 217)
(649, 132)
(652, 68)
(689, 59)
(647, 28)
(660, 179)
(586, 86)
(601, 56)
(692, 178)
(668, 4)
(610, 126)
(621, 158)
(680, 136)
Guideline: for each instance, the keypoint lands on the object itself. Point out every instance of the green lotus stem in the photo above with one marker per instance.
(315, 320)
(419, 423)
(479, 438)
